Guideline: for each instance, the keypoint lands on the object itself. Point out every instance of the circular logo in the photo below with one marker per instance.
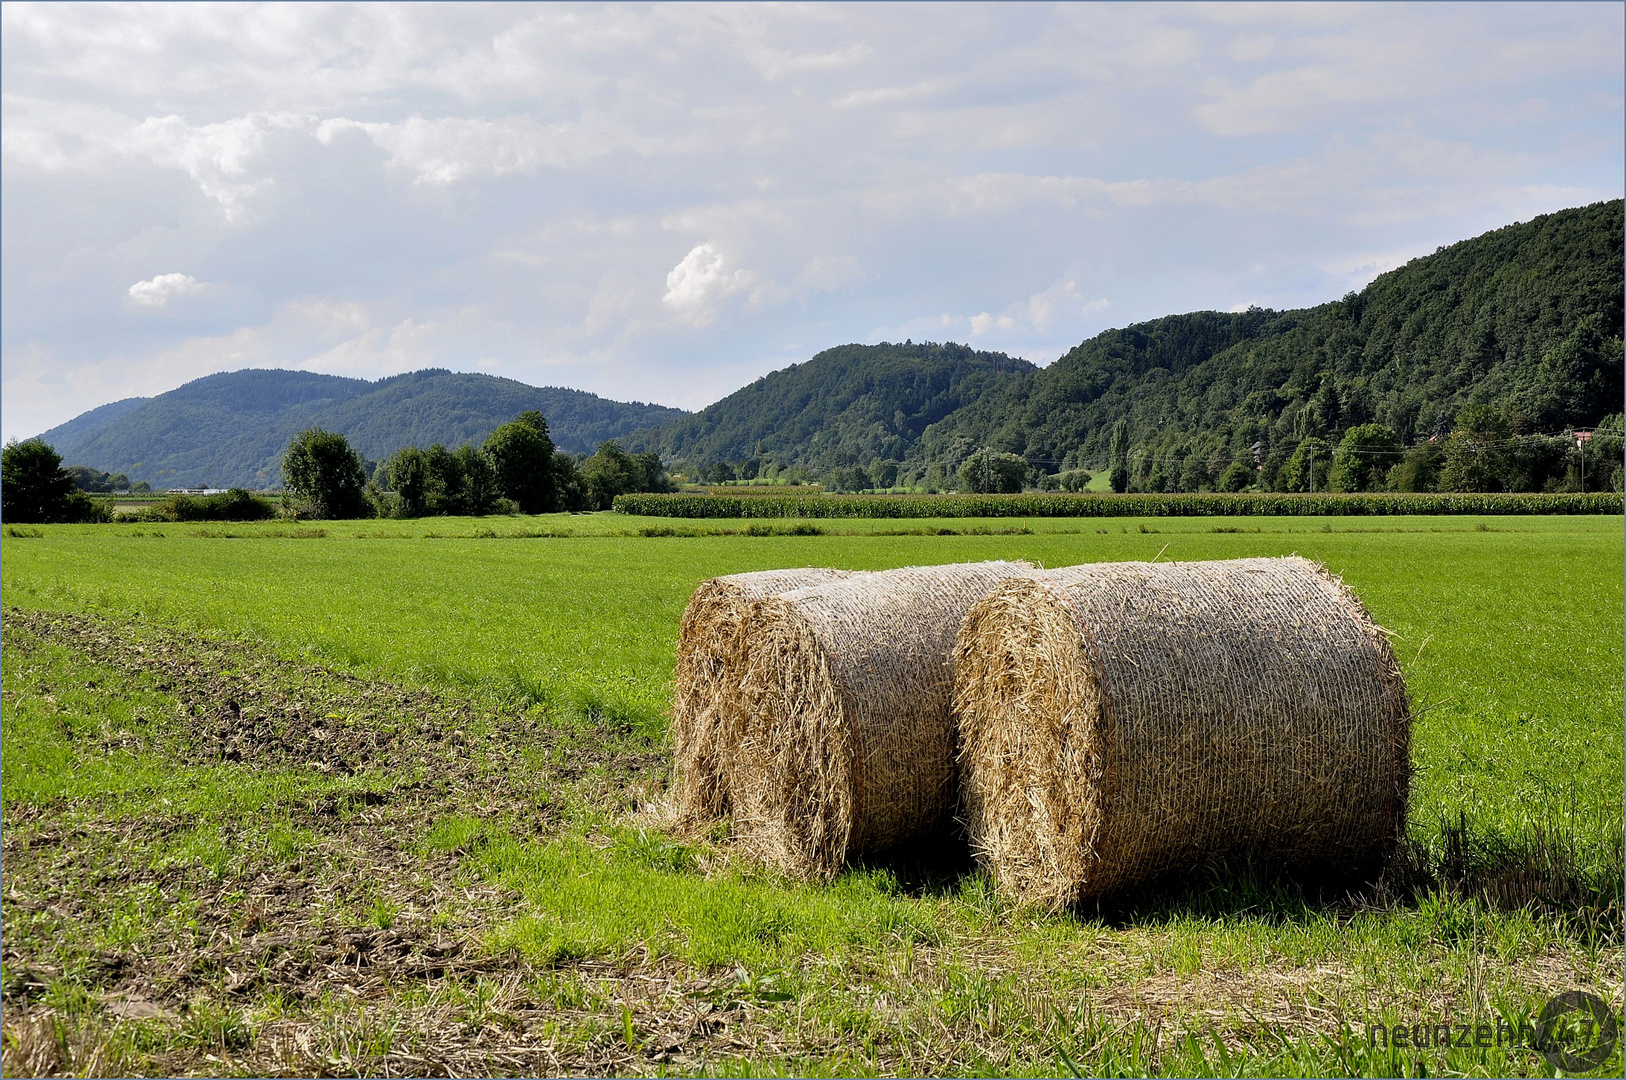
(1576, 1032)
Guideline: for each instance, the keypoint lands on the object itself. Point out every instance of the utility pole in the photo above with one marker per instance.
(1581, 439)
(1312, 470)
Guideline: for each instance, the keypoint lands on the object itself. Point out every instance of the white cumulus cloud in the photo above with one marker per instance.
(698, 284)
(160, 290)
(218, 157)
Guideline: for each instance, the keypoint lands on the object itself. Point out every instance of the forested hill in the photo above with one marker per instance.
(232, 428)
(846, 406)
(1527, 318)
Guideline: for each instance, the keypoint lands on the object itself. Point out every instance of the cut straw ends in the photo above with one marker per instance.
(848, 744)
(704, 731)
(1119, 721)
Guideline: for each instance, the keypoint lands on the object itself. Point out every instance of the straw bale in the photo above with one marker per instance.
(703, 731)
(848, 744)
(1120, 721)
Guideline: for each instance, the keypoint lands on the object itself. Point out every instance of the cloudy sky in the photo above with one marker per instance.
(663, 202)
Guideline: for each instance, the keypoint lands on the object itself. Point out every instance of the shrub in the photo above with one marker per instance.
(407, 471)
(94, 480)
(1419, 468)
(612, 472)
(1307, 469)
(83, 509)
(461, 482)
(569, 487)
(478, 491)
(234, 505)
(1475, 451)
(1074, 480)
(1237, 475)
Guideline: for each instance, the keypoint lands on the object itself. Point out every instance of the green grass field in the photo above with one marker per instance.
(217, 863)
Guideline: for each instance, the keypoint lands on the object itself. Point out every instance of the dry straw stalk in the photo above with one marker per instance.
(708, 670)
(1123, 720)
(848, 744)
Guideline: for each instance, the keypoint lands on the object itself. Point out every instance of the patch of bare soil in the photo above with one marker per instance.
(121, 957)
(241, 706)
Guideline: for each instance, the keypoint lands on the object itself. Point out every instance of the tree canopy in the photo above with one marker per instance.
(34, 487)
(324, 475)
(1524, 321)
(990, 471)
(33, 484)
(521, 452)
(612, 471)
(848, 406)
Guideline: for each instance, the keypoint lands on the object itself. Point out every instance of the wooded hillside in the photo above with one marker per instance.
(231, 429)
(1526, 319)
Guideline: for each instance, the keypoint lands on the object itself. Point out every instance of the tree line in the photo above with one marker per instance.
(1487, 449)
(516, 469)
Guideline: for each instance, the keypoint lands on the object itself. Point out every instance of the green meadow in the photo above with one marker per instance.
(502, 851)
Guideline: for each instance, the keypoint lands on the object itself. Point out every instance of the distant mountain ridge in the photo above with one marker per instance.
(231, 429)
(1527, 318)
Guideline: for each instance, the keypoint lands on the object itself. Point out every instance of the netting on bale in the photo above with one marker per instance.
(704, 730)
(1120, 721)
(848, 745)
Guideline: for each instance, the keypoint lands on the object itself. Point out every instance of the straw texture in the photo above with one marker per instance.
(1121, 720)
(848, 744)
(704, 731)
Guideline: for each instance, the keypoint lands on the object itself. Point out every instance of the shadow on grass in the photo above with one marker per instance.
(1555, 870)
(1549, 866)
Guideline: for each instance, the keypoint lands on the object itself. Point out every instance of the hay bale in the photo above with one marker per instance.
(848, 743)
(1121, 720)
(703, 730)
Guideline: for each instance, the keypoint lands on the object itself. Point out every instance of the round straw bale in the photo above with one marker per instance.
(1121, 720)
(702, 731)
(848, 744)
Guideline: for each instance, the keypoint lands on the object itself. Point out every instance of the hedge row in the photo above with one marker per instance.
(1203, 505)
(233, 505)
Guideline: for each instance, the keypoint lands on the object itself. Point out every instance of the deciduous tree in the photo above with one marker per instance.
(33, 484)
(522, 456)
(988, 471)
(1120, 456)
(323, 474)
(1364, 457)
